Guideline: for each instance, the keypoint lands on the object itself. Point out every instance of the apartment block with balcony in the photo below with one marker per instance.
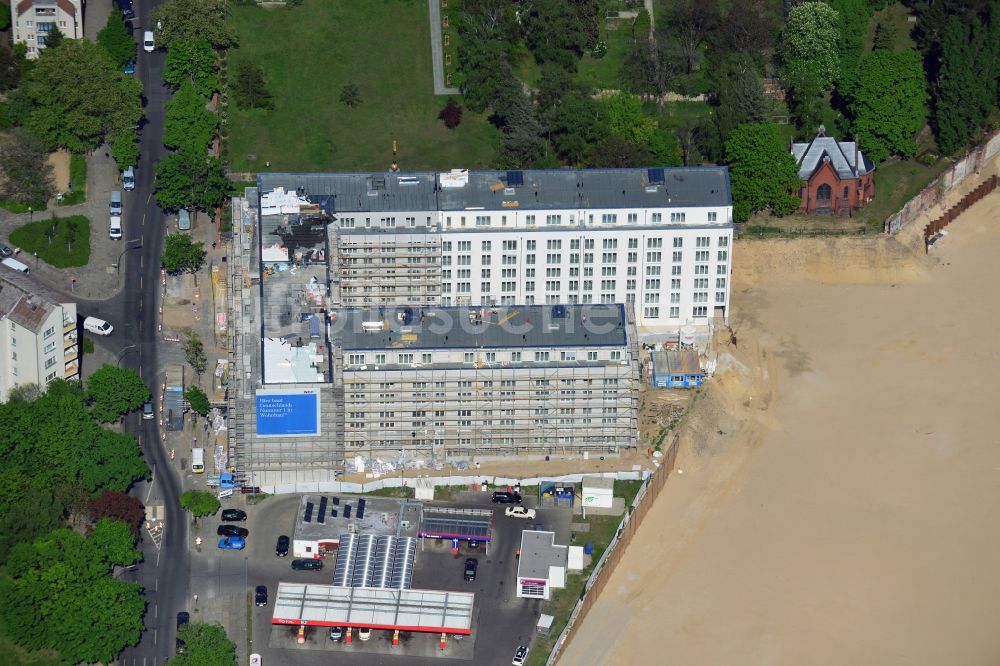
(33, 19)
(38, 334)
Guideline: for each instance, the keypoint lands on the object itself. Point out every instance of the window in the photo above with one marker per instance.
(651, 312)
(609, 218)
(656, 218)
(699, 311)
(654, 243)
(541, 356)
(633, 218)
(50, 331)
(50, 362)
(609, 257)
(723, 241)
(591, 356)
(653, 257)
(723, 255)
(507, 245)
(379, 359)
(552, 272)
(553, 258)
(553, 245)
(701, 255)
(356, 359)
(553, 219)
(700, 297)
(486, 246)
(675, 313)
(824, 193)
(712, 216)
(633, 257)
(529, 220)
(469, 357)
(49, 347)
(720, 283)
(703, 241)
(677, 217)
(426, 358)
(484, 287)
(675, 297)
(675, 283)
(484, 273)
(720, 297)
(588, 244)
(701, 269)
(516, 357)
(406, 358)
(701, 283)
(652, 284)
(675, 270)
(608, 270)
(652, 270)
(482, 220)
(529, 259)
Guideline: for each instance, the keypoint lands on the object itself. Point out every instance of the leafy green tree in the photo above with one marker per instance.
(125, 148)
(25, 174)
(350, 95)
(205, 645)
(553, 31)
(663, 148)
(627, 119)
(54, 38)
(191, 61)
(200, 503)
(575, 124)
(194, 352)
(188, 123)
(10, 68)
(885, 37)
(116, 40)
(480, 63)
(852, 27)
(514, 115)
(556, 81)
(193, 20)
(967, 87)
(30, 516)
(749, 27)
(115, 391)
(739, 96)
(688, 25)
(181, 254)
(615, 152)
(250, 89)
(79, 97)
(886, 99)
(197, 399)
(762, 172)
(809, 47)
(4, 16)
(191, 179)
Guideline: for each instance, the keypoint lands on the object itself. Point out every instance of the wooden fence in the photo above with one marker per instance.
(616, 549)
(955, 211)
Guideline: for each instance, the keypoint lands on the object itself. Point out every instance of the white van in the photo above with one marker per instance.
(15, 264)
(197, 460)
(128, 178)
(115, 228)
(98, 326)
(115, 207)
(148, 43)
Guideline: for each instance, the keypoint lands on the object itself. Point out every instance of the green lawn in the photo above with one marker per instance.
(895, 15)
(78, 181)
(309, 53)
(34, 238)
(605, 73)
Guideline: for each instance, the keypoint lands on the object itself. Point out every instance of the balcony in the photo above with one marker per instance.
(69, 325)
(69, 339)
(72, 370)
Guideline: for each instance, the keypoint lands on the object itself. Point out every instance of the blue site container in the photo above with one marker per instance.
(588, 548)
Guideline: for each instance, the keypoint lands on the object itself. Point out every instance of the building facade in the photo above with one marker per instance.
(837, 177)
(39, 342)
(33, 19)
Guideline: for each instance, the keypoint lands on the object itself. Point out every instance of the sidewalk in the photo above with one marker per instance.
(98, 280)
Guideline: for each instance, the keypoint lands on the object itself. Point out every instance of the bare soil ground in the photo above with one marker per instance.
(848, 515)
(60, 169)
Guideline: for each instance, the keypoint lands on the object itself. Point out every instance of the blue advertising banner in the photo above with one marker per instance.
(284, 413)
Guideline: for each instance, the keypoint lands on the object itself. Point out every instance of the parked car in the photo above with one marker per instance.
(115, 204)
(336, 633)
(233, 515)
(5, 251)
(233, 531)
(260, 596)
(130, 69)
(520, 654)
(98, 326)
(182, 618)
(471, 565)
(307, 565)
(128, 178)
(183, 219)
(501, 497)
(115, 227)
(148, 41)
(364, 633)
(147, 411)
(281, 550)
(520, 512)
(232, 543)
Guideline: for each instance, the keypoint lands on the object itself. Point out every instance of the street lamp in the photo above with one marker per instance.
(123, 353)
(30, 214)
(118, 266)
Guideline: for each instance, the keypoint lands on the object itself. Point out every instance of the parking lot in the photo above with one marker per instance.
(500, 620)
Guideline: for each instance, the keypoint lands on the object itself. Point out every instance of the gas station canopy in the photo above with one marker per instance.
(430, 611)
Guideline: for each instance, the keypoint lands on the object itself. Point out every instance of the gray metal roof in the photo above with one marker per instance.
(24, 300)
(551, 189)
(483, 327)
(539, 552)
(843, 158)
(381, 516)
(681, 362)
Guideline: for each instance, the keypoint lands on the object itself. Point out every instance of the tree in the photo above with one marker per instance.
(967, 87)
(188, 124)
(118, 506)
(115, 391)
(250, 88)
(25, 174)
(663, 148)
(10, 68)
(808, 47)
(191, 60)
(627, 119)
(30, 516)
(739, 96)
(615, 152)
(886, 99)
(72, 232)
(181, 254)
(194, 352)
(749, 27)
(350, 95)
(191, 179)
(762, 172)
(555, 83)
(116, 40)
(480, 63)
(4, 16)
(125, 148)
(79, 97)
(193, 20)
(553, 31)
(885, 37)
(205, 645)
(200, 503)
(514, 115)
(852, 27)
(689, 23)
(575, 124)
(54, 38)
(451, 114)
(197, 399)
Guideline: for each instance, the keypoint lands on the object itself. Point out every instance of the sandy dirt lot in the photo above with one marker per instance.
(848, 516)
(59, 160)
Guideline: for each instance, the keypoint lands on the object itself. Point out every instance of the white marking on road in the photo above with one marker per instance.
(151, 482)
(140, 286)
(156, 611)
(158, 551)
(154, 641)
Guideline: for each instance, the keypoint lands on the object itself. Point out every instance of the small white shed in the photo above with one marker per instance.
(598, 491)
(424, 489)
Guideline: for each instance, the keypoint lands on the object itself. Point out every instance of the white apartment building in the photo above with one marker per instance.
(38, 334)
(657, 239)
(33, 19)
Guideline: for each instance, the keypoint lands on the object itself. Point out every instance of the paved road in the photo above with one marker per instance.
(437, 50)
